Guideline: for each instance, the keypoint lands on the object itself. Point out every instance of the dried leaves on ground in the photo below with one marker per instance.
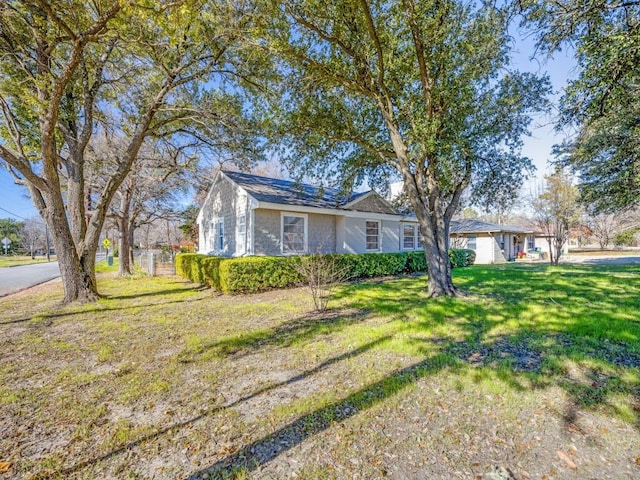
(160, 379)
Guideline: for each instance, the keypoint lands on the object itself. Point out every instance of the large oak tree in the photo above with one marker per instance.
(601, 107)
(417, 88)
(67, 67)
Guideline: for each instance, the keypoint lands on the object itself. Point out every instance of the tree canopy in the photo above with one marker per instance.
(137, 70)
(417, 89)
(600, 109)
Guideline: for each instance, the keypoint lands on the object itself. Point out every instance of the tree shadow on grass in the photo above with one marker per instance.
(46, 319)
(155, 293)
(257, 453)
(175, 427)
(286, 334)
(532, 357)
(521, 326)
(518, 363)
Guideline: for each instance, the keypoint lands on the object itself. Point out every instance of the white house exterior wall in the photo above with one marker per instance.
(543, 244)
(226, 202)
(391, 236)
(486, 249)
(498, 252)
(322, 233)
(352, 235)
(266, 231)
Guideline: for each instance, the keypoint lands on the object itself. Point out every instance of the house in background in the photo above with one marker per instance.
(493, 243)
(246, 214)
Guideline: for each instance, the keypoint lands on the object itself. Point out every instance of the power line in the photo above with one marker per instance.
(16, 215)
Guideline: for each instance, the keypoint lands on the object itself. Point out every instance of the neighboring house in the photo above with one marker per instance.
(493, 243)
(542, 244)
(247, 214)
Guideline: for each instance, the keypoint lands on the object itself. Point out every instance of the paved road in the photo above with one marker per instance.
(14, 279)
(602, 259)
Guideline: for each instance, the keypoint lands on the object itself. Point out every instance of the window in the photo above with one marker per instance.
(242, 232)
(471, 242)
(418, 237)
(293, 234)
(220, 235)
(501, 241)
(212, 236)
(408, 236)
(531, 242)
(373, 235)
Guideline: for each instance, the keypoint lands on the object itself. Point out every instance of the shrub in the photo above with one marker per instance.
(210, 271)
(461, 257)
(625, 238)
(322, 274)
(416, 261)
(254, 274)
(366, 265)
(188, 265)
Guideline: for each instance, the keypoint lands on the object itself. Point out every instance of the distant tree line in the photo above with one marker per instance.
(28, 237)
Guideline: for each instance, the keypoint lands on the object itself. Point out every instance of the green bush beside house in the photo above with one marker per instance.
(256, 274)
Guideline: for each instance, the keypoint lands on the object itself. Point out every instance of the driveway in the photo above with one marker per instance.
(602, 259)
(14, 279)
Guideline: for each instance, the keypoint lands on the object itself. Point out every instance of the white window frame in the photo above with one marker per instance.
(413, 236)
(531, 242)
(419, 245)
(475, 242)
(220, 235)
(241, 227)
(305, 232)
(212, 235)
(366, 242)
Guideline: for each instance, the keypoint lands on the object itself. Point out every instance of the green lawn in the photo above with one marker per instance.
(15, 260)
(536, 370)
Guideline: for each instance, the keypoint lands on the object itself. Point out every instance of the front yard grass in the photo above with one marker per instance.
(16, 260)
(535, 372)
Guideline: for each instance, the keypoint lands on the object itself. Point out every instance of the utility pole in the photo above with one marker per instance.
(46, 234)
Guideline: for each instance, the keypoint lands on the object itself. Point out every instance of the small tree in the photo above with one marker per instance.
(556, 210)
(13, 230)
(35, 235)
(322, 274)
(604, 227)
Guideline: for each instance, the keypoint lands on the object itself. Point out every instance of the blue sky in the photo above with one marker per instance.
(15, 203)
(14, 199)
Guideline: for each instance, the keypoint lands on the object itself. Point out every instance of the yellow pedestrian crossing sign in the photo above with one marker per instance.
(106, 242)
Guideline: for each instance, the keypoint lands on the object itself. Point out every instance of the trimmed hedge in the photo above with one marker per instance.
(255, 274)
(199, 268)
(367, 265)
(461, 257)
(416, 261)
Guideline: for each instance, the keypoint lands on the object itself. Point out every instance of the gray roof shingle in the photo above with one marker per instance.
(469, 225)
(286, 192)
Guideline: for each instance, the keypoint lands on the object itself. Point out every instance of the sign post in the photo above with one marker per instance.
(106, 243)
(6, 242)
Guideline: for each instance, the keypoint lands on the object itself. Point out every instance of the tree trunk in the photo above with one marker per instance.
(438, 264)
(558, 248)
(124, 246)
(78, 282)
(132, 228)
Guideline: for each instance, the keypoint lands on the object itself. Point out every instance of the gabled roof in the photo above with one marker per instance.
(286, 192)
(469, 225)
